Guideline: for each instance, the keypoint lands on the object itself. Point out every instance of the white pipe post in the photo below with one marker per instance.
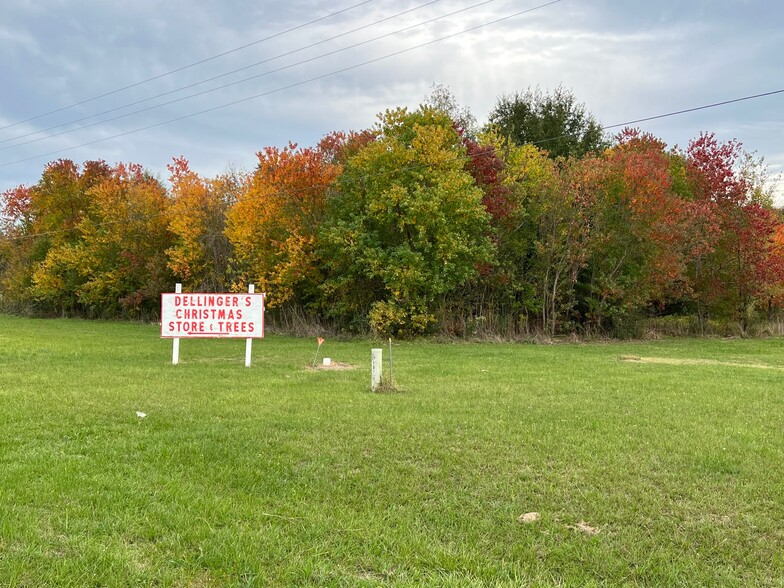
(176, 340)
(375, 368)
(249, 340)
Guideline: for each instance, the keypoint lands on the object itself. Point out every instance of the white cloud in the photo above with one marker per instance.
(14, 40)
(624, 60)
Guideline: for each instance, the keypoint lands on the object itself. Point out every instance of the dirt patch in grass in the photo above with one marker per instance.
(529, 517)
(335, 366)
(679, 361)
(583, 527)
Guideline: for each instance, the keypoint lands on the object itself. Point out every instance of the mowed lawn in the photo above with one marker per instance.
(653, 464)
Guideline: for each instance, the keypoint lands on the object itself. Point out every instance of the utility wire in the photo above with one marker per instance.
(281, 192)
(669, 114)
(190, 65)
(252, 65)
(289, 86)
(411, 167)
(695, 109)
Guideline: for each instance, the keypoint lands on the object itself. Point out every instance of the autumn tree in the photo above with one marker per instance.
(536, 231)
(338, 147)
(759, 262)
(198, 209)
(406, 225)
(731, 269)
(58, 203)
(60, 200)
(637, 251)
(774, 295)
(273, 226)
(16, 245)
(121, 253)
(87, 240)
(16, 214)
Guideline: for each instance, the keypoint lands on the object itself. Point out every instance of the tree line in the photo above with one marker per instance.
(425, 223)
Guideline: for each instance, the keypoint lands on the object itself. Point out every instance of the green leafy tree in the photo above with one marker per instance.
(553, 121)
(406, 226)
(542, 238)
(539, 211)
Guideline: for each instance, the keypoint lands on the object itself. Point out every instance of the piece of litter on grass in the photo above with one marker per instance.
(529, 517)
(141, 414)
(584, 527)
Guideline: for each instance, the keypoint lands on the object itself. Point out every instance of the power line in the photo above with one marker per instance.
(228, 74)
(466, 158)
(669, 114)
(289, 86)
(287, 191)
(645, 119)
(190, 65)
(695, 109)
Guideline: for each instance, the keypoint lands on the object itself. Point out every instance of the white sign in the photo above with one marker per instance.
(212, 315)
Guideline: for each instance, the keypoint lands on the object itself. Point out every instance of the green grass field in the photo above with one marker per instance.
(652, 464)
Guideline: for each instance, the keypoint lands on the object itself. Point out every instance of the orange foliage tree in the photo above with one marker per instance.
(200, 255)
(46, 269)
(636, 252)
(274, 223)
(123, 240)
(87, 240)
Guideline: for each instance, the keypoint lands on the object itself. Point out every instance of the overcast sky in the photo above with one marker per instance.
(624, 59)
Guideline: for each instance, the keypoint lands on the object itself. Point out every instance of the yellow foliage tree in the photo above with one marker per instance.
(200, 255)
